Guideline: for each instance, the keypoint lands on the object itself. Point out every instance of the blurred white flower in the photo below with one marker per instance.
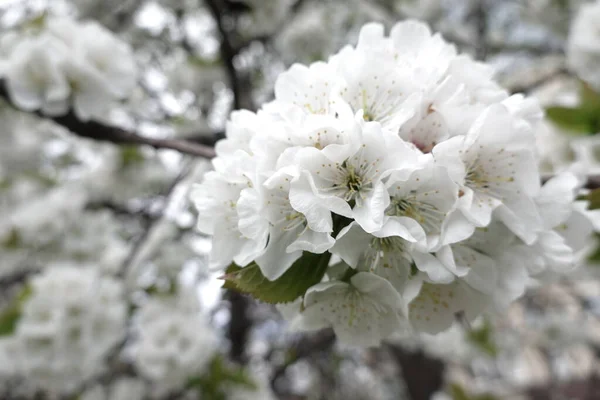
(35, 78)
(175, 341)
(583, 47)
(69, 324)
(121, 389)
(69, 64)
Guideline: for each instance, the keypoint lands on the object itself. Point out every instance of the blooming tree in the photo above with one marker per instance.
(396, 177)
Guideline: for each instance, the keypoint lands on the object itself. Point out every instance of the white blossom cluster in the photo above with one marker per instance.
(59, 63)
(175, 343)
(121, 389)
(583, 48)
(69, 323)
(409, 163)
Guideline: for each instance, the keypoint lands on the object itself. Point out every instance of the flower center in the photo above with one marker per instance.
(353, 180)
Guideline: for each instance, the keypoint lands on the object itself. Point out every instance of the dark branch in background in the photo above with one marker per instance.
(101, 132)
(15, 279)
(481, 26)
(538, 81)
(240, 322)
(239, 325)
(266, 38)
(240, 85)
(308, 346)
(422, 375)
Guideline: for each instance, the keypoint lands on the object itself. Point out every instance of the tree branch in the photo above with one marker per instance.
(240, 323)
(101, 132)
(481, 25)
(239, 85)
(307, 346)
(423, 375)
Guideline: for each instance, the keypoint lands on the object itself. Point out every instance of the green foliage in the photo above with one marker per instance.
(10, 316)
(594, 258)
(131, 155)
(483, 338)
(577, 120)
(584, 119)
(594, 199)
(12, 241)
(304, 273)
(219, 376)
(458, 393)
(201, 62)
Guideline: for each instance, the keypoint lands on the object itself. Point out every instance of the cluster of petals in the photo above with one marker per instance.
(175, 341)
(406, 164)
(70, 321)
(60, 63)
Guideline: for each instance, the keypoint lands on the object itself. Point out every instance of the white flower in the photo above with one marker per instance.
(390, 257)
(490, 263)
(425, 200)
(100, 67)
(496, 167)
(121, 389)
(583, 47)
(436, 306)
(216, 201)
(72, 320)
(312, 88)
(568, 228)
(376, 85)
(70, 64)
(175, 342)
(361, 312)
(347, 180)
(411, 165)
(241, 127)
(268, 207)
(35, 78)
(95, 237)
(426, 53)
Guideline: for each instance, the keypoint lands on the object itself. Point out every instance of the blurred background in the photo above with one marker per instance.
(110, 196)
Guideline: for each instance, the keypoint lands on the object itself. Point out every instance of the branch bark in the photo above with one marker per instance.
(239, 84)
(423, 375)
(102, 132)
(240, 322)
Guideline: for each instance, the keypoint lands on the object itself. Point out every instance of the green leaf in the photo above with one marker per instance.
(10, 316)
(483, 338)
(12, 241)
(593, 198)
(131, 155)
(219, 376)
(304, 273)
(579, 120)
(590, 99)
(594, 258)
(458, 393)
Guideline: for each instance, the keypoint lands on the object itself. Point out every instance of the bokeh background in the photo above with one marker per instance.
(93, 196)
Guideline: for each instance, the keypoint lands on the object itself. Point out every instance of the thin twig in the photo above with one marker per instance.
(239, 85)
(481, 26)
(307, 346)
(99, 131)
